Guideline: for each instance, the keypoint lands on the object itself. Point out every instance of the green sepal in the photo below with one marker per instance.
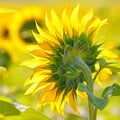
(114, 66)
(67, 50)
(102, 63)
(71, 73)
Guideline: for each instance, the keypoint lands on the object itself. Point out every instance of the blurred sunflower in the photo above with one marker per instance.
(22, 24)
(56, 71)
(15, 34)
(7, 50)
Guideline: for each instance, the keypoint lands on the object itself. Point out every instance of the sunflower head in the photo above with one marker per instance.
(56, 68)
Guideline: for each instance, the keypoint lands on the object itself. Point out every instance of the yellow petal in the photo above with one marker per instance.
(42, 84)
(105, 75)
(97, 66)
(26, 82)
(66, 23)
(40, 53)
(107, 54)
(98, 81)
(37, 37)
(71, 102)
(85, 19)
(46, 36)
(52, 106)
(60, 104)
(57, 24)
(49, 25)
(82, 94)
(45, 94)
(45, 47)
(31, 88)
(74, 18)
(38, 77)
(32, 47)
(99, 26)
(93, 25)
(34, 63)
(107, 70)
(51, 95)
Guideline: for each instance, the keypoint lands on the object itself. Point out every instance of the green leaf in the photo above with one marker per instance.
(7, 109)
(99, 103)
(31, 114)
(74, 117)
(5, 99)
(113, 90)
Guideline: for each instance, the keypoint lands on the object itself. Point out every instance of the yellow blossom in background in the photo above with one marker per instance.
(5, 41)
(7, 50)
(14, 31)
(23, 23)
(55, 76)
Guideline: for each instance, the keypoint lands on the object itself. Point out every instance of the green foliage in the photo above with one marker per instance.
(100, 103)
(73, 117)
(113, 90)
(31, 114)
(7, 109)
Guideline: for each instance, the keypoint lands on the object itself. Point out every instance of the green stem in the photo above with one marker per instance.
(95, 113)
(88, 77)
(87, 74)
(90, 107)
(75, 60)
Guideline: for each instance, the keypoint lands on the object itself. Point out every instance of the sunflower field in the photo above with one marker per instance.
(59, 60)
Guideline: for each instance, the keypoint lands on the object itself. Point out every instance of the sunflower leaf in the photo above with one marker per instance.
(113, 90)
(31, 114)
(99, 103)
(7, 109)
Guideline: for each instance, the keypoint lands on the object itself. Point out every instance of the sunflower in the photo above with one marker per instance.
(56, 75)
(23, 23)
(7, 50)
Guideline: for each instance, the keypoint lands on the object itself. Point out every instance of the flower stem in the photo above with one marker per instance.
(90, 107)
(90, 83)
(75, 59)
(95, 114)
(87, 74)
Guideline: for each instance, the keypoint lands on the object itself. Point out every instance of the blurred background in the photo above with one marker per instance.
(16, 34)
